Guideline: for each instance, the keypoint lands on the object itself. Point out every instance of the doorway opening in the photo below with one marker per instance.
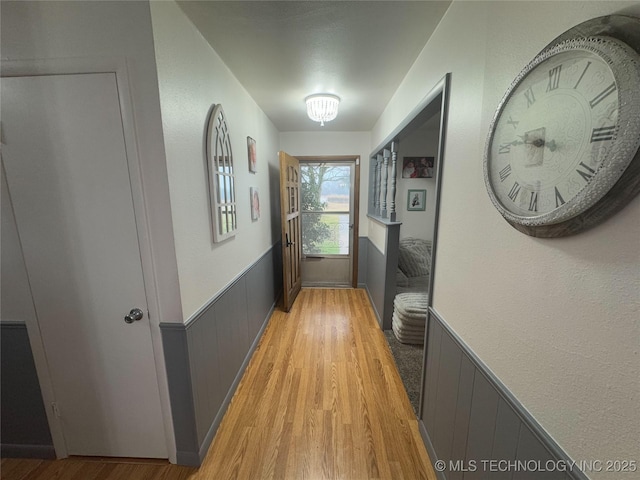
(329, 214)
(407, 334)
(416, 150)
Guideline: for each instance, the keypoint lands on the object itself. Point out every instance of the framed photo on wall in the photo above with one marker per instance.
(416, 200)
(417, 167)
(255, 203)
(251, 150)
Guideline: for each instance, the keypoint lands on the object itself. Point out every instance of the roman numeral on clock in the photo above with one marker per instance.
(505, 172)
(559, 199)
(515, 190)
(504, 148)
(588, 174)
(603, 94)
(531, 98)
(582, 76)
(533, 202)
(602, 133)
(554, 78)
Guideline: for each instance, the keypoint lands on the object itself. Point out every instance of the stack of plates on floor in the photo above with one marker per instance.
(409, 317)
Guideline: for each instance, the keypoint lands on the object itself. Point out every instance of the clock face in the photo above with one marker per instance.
(560, 139)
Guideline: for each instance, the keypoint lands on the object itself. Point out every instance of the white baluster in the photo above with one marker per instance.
(385, 180)
(378, 183)
(394, 162)
(374, 163)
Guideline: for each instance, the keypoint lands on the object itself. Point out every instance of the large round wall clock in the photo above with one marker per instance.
(563, 148)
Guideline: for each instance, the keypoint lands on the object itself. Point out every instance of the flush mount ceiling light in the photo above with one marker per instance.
(322, 107)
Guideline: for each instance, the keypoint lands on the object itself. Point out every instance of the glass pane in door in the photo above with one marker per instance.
(325, 233)
(325, 207)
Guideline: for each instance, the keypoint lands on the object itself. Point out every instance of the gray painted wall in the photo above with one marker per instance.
(468, 416)
(24, 429)
(381, 275)
(207, 357)
(375, 280)
(363, 259)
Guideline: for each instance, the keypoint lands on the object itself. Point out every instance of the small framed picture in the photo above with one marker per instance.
(251, 150)
(416, 200)
(255, 203)
(417, 167)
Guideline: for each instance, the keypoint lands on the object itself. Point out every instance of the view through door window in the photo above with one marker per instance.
(325, 204)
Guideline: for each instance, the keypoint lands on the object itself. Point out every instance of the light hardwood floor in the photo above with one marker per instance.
(320, 399)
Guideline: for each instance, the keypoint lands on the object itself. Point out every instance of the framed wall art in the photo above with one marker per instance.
(255, 203)
(416, 200)
(251, 150)
(417, 167)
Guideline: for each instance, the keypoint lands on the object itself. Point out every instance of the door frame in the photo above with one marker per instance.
(117, 66)
(356, 201)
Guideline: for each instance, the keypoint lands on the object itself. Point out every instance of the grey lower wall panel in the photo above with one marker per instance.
(393, 247)
(507, 433)
(463, 412)
(468, 418)
(176, 357)
(24, 429)
(363, 256)
(482, 425)
(376, 274)
(230, 318)
(381, 275)
(446, 394)
(207, 357)
(262, 290)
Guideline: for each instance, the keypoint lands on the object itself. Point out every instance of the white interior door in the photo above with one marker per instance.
(68, 177)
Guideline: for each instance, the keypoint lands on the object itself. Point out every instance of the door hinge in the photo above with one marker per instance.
(56, 410)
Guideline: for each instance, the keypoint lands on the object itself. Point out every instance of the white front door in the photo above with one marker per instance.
(68, 176)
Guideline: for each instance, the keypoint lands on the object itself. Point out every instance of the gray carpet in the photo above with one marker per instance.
(408, 359)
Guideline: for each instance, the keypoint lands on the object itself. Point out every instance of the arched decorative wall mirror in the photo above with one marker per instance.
(221, 176)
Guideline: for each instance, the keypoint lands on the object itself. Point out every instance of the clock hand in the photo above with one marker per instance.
(538, 142)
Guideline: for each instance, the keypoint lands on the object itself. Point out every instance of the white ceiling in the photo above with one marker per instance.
(283, 51)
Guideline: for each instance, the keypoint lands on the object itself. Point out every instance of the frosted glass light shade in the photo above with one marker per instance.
(322, 107)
